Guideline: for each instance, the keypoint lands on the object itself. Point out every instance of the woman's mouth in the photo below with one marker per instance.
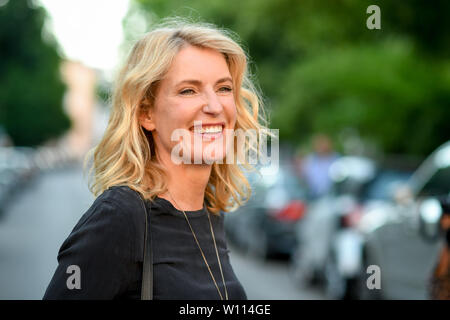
(208, 132)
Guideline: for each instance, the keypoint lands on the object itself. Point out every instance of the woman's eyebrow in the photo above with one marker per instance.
(198, 82)
(224, 80)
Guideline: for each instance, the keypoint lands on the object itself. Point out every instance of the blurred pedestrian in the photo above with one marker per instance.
(177, 74)
(440, 279)
(316, 165)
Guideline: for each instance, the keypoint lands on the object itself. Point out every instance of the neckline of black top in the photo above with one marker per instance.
(170, 209)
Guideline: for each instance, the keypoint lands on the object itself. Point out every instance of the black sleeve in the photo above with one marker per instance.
(101, 246)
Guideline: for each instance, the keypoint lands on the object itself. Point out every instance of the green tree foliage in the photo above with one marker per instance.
(384, 91)
(31, 90)
(322, 70)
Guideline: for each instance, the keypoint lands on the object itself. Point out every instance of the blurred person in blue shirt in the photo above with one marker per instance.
(315, 166)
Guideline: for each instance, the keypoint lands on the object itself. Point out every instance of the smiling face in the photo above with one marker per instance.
(197, 87)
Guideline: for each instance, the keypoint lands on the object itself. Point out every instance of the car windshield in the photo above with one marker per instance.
(439, 184)
(284, 181)
(384, 184)
(293, 185)
(380, 187)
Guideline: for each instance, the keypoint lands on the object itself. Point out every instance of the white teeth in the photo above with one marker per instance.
(209, 129)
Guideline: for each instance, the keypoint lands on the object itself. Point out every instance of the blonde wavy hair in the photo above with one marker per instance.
(126, 154)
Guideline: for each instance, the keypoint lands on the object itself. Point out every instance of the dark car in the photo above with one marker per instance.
(265, 225)
(16, 167)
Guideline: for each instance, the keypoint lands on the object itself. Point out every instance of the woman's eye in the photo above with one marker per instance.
(225, 89)
(187, 91)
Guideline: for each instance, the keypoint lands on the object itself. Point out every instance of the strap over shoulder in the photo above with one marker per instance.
(135, 200)
(147, 269)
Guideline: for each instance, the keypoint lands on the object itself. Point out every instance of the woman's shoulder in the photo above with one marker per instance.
(119, 202)
(120, 195)
(105, 244)
(123, 202)
(118, 210)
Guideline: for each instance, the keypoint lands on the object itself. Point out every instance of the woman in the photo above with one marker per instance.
(180, 78)
(439, 286)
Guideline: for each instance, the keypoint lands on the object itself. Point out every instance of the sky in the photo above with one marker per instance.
(89, 31)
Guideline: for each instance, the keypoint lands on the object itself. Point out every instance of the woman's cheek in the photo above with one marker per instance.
(231, 111)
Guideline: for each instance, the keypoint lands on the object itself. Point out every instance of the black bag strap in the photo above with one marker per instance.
(147, 266)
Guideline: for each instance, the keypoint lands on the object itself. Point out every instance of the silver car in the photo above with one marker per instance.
(394, 237)
(315, 236)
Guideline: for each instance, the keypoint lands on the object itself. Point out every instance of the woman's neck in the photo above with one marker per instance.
(187, 184)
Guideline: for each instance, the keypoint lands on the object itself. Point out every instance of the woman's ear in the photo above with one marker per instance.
(146, 120)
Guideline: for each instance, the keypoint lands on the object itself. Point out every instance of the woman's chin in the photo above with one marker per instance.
(208, 158)
(205, 152)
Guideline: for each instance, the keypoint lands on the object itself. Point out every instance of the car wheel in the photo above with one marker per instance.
(302, 274)
(258, 245)
(362, 292)
(335, 283)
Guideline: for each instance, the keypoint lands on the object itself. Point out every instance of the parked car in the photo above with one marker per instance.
(395, 237)
(344, 263)
(324, 217)
(16, 166)
(265, 225)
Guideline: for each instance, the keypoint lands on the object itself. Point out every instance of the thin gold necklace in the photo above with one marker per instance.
(203, 255)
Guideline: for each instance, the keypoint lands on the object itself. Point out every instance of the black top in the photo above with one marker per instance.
(107, 244)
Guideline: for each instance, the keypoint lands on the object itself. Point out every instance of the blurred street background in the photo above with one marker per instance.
(363, 117)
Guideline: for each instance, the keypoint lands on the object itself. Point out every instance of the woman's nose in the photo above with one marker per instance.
(213, 104)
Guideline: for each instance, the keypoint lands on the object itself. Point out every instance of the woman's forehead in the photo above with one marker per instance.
(195, 63)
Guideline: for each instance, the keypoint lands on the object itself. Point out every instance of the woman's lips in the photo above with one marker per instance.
(208, 136)
(208, 132)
